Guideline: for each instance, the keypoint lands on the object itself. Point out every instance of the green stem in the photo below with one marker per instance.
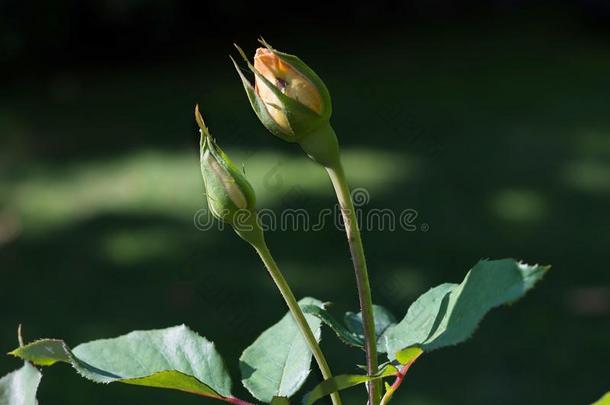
(323, 147)
(339, 181)
(297, 313)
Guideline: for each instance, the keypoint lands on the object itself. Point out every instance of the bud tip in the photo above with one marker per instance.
(262, 41)
(199, 119)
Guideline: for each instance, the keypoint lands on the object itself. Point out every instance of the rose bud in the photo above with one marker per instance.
(230, 196)
(287, 95)
(286, 79)
(291, 101)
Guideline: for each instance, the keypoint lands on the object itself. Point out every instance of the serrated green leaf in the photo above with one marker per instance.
(173, 358)
(335, 384)
(278, 362)
(409, 355)
(346, 336)
(383, 320)
(448, 314)
(342, 382)
(419, 322)
(605, 400)
(19, 387)
(280, 401)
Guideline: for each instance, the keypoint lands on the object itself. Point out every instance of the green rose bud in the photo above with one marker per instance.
(291, 101)
(230, 196)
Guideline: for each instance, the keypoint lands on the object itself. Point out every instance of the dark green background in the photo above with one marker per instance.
(491, 119)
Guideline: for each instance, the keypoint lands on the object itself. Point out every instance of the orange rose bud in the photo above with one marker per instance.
(289, 81)
(292, 102)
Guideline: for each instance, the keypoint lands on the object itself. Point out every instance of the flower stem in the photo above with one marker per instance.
(339, 181)
(297, 313)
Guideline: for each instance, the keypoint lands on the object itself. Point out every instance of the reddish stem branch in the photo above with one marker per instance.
(400, 376)
(231, 400)
(237, 401)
